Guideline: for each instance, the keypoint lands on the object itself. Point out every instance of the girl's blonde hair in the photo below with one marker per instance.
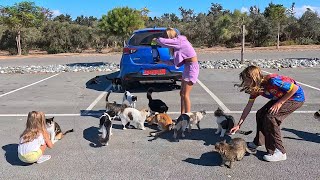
(254, 74)
(171, 33)
(34, 126)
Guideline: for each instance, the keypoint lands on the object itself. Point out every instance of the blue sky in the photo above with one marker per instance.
(158, 7)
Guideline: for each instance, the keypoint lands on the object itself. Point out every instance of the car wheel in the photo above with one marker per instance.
(125, 85)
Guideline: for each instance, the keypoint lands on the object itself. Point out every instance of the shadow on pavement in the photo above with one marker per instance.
(207, 135)
(100, 83)
(158, 87)
(206, 159)
(91, 134)
(304, 136)
(92, 113)
(11, 155)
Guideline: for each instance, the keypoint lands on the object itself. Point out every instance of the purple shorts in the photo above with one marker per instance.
(191, 72)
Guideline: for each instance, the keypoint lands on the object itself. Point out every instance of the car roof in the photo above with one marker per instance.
(152, 29)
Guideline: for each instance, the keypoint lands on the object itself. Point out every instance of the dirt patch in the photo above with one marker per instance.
(110, 51)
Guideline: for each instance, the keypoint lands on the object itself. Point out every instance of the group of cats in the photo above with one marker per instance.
(155, 114)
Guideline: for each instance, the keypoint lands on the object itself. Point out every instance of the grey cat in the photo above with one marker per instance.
(225, 123)
(117, 108)
(232, 151)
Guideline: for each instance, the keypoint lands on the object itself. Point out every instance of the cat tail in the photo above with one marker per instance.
(69, 131)
(251, 151)
(244, 132)
(107, 96)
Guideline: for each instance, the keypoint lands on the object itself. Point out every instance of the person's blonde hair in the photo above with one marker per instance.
(34, 126)
(254, 74)
(171, 33)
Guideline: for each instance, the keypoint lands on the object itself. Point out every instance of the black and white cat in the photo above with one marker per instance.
(106, 127)
(54, 130)
(116, 83)
(127, 96)
(226, 123)
(181, 124)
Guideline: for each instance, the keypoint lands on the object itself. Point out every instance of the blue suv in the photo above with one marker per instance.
(143, 61)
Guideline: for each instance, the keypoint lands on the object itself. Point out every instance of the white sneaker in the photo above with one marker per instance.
(43, 158)
(276, 156)
(252, 145)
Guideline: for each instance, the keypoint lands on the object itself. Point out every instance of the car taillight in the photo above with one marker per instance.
(129, 50)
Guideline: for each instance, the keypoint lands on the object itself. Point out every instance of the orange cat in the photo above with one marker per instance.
(163, 121)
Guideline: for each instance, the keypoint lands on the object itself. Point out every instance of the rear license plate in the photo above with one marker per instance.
(154, 72)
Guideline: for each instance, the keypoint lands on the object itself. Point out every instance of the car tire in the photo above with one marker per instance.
(125, 85)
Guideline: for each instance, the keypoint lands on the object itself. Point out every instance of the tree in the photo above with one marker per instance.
(22, 15)
(277, 14)
(187, 15)
(121, 22)
(258, 30)
(86, 21)
(63, 18)
(254, 10)
(310, 26)
(166, 20)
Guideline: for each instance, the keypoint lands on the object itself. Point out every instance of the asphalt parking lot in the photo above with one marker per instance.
(76, 104)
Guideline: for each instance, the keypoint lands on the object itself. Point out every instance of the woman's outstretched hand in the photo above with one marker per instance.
(234, 129)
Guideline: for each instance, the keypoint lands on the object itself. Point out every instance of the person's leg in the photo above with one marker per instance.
(187, 91)
(42, 158)
(259, 139)
(182, 94)
(272, 126)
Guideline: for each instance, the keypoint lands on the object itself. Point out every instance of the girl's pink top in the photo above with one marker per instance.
(182, 48)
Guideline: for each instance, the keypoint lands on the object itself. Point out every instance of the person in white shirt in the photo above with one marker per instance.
(34, 139)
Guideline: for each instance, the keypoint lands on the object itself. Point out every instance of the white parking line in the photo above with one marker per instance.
(299, 83)
(99, 114)
(28, 85)
(98, 98)
(220, 103)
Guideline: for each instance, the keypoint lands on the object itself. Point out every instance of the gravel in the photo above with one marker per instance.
(214, 64)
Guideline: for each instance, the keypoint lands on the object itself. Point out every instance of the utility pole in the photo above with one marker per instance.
(243, 42)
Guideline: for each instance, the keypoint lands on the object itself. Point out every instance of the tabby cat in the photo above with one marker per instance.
(232, 151)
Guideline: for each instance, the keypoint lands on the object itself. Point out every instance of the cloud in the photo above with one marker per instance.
(300, 10)
(56, 13)
(244, 9)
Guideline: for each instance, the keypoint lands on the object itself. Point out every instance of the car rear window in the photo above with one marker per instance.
(144, 38)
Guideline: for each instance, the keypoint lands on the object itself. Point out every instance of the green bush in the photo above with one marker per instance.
(288, 43)
(55, 50)
(305, 41)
